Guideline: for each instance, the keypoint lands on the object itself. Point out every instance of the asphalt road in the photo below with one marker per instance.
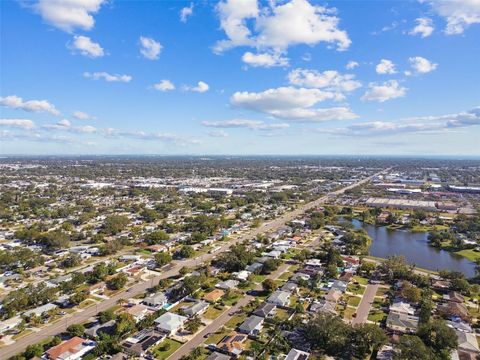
(365, 304)
(216, 324)
(83, 316)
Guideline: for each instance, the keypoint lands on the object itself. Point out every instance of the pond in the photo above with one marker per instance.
(415, 248)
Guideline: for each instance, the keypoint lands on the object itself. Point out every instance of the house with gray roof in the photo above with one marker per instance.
(279, 298)
(98, 328)
(157, 300)
(197, 308)
(218, 356)
(403, 323)
(252, 325)
(295, 354)
(266, 310)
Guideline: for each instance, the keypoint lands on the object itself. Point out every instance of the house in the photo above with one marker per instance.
(157, 300)
(460, 325)
(139, 344)
(266, 310)
(170, 323)
(214, 295)
(333, 295)
(454, 296)
(339, 285)
(402, 322)
(10, 324)
(252, 325)
(295, 354)
(41, 310)
(289, 286)
(467, 341)
(138, 311)
(227, 285)
(323, 306)
(385, 353)
(279, 298)
(242, 275)
(71, 349)
(98, 328)
(197, 308)
(402, 308)
(255, 267)
(233, 343)
(454, 309)
(217, 356)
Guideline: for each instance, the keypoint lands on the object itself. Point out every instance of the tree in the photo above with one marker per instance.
(193, 324)
(115, 224)
(185, 252)
(236, 259)
(106, 316)
(367, 337)
(162, 258)
(411, 347)
(439, 337)
(149, 215)
(269, 285)
(32, 351)
(366, 268)
(328, 334)
(156, 237)
(117, 282)
(410, 292)
(76, 330)
(71, 261)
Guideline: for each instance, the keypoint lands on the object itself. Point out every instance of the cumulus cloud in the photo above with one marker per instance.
(422, 65)
(87, 47)
(264, 59)
(68, 15)
(36, 106)
(330, 80)
(292, 103)
(382, 92)
(80, 115)
(201, 87)
(385, 67)
(18, 123)
(108, 77)
(186, 12)
(152, 136)
(424, 27)
(66, 125)
(164, 85)
(459, 14)
(245, 123)
(352, 65)
(150, 49)
(276, 27)
(412, 125)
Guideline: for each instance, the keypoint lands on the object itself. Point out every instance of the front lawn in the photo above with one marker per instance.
(166, 348)
(470, 254)
(356, 289)
(354, 301)
(212, 312)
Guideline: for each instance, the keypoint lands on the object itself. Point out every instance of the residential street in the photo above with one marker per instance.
(79, 317)
(365, 304)
(186, 348)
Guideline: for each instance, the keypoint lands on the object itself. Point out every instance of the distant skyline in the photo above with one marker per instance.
(240, 77)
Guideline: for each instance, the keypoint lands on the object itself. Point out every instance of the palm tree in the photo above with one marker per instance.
(121, 301)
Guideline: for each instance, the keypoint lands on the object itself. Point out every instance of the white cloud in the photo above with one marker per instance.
(186, 12)
(276, 27)
(292, 103)
(264, 59)
(245, 123)
(150, 48)
(108, 77)
(352, 65)
(412, 125)
(66, 125)
(37, 106)
(18, 123)
(68, 15)
(87, 47)
(218, 133)
(424, 27)
(385, 91)
(330, 80)
(200, 88)
(164, 85)
(385, 67)
(459, 14)
(422, 65)
(80, 115)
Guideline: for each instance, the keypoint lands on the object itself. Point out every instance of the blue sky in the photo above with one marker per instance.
(240, 77)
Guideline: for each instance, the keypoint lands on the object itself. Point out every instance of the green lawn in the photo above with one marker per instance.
(382, 291)
(217, 337)
(470, 254)
(285, 276)
(360, 280)
(356, 289)
(86, 303)
(236, 320)
(348, 313)
(353, 301)
(376, 316)
(166, 348)
(212, 313)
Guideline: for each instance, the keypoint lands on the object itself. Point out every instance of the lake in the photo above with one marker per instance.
(415, 248)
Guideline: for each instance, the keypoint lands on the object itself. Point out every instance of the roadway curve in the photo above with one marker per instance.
(82, 316)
